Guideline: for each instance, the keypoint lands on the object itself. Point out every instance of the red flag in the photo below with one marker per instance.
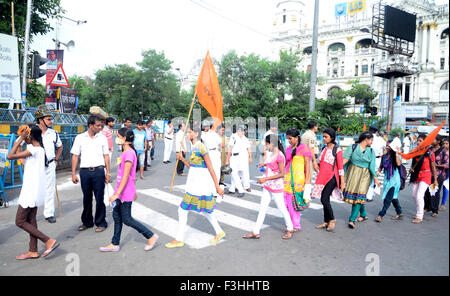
(422, 148)
(364, 127)
(208, 91)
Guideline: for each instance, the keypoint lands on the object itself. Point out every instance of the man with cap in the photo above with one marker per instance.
(239, 157)
(53, 149)
(378, 146)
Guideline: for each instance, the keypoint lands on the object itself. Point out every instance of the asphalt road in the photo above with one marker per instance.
(387, 248)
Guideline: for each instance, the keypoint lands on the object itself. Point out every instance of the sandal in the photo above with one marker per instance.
(331, 225)
(397, 217)
(378, 219)
(361, 219)
(434, 215)
(288, 234)
(323, 225)
(442, 208)
(417, 220)
(25, 257)
(100, 229)
(252, 236)
(351, 224)
(51, 249)
(82, 227)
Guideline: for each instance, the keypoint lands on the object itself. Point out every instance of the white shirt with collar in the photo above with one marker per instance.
(378, 145)
(50, 139)
(90, 150)
(178, 139)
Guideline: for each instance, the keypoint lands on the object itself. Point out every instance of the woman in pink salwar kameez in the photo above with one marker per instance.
(298, 156)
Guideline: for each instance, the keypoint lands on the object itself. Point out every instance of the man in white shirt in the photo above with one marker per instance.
(378, 146)
(180, 147)
(53, 149)
(168, 142)
(239, 157)
(91, 148)
(273, 130)
(406, 145)
(151, 144)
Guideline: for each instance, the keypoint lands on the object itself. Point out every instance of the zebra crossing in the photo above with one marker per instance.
(154, 204)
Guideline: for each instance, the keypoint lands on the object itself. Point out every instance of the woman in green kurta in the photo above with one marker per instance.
(359, 166)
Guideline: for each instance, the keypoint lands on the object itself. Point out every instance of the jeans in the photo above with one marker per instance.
(387, 202)
(93, 182)
(122, 215)
(325, 200)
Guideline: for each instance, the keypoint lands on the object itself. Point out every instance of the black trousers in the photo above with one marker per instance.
(432, 202)
(93, 182)
(325, 200)
(180, 166)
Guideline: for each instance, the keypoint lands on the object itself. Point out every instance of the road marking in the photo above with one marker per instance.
(259, 194)
(222, 216)
(194, 238)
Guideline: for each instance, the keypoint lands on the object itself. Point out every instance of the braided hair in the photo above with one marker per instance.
(295, 133)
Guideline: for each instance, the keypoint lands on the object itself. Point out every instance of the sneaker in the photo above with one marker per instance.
(51, 219)
(240, 195)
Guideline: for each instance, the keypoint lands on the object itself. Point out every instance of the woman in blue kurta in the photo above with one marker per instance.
(390, 163)
(359, 166)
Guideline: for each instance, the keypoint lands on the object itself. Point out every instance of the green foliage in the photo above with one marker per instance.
(35, 94)
(43, 11)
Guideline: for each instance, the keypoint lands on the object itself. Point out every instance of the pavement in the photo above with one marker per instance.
(387, 248)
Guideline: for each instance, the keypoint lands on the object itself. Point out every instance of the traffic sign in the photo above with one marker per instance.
(59, 78)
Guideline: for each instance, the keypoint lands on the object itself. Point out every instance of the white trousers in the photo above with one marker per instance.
(182, 222)
(266, 197)
(168, 146)
(216, 162)
(419, 190)
(49, 205)
(240, 180)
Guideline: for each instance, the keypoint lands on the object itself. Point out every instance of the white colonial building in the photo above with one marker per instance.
(345, 53)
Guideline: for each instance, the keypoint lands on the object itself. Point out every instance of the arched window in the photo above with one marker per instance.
(330, 91)
(307, 50)
(336, 47)
(363, 43)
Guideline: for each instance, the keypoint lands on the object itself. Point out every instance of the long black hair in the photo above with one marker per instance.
(295, 133)
(417, 162)
(129, 136)
(36, 134)
(271, 138)
(364, 135)
(329, 131)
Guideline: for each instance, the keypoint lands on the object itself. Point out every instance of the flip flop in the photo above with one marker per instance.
(25, 257)
(48, 251)
(82, 227)
(251, 236)
(100, 229)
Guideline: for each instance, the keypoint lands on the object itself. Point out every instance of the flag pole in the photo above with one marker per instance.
(187, 121)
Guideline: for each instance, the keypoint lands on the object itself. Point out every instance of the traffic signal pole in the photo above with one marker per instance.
(312, 89)
(25, 52)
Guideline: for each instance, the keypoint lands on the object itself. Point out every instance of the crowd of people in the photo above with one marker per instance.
(349, 175)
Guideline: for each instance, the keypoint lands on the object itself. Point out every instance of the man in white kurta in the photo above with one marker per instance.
(239, 157)
(378, 146)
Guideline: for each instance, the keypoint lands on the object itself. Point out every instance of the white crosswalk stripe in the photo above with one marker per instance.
(222, 216)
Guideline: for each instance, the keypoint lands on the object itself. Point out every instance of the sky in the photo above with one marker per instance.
(117, 31)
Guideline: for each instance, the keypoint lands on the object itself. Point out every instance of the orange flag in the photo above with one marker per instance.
(425, 144)
(364, 127)
(208, 91)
